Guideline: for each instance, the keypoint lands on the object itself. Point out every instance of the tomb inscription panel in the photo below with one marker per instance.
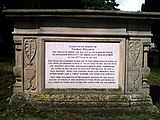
(78, 65)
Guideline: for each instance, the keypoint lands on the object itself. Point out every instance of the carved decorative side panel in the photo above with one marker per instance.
(134, 66)
(17, 69)
(30, 50)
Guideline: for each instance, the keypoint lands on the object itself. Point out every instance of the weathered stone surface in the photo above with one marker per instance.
(111, 103)
(130, 31)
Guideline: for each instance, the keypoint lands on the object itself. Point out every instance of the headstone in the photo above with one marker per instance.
(82, 59)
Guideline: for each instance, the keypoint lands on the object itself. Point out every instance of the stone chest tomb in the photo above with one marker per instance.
(82, 59)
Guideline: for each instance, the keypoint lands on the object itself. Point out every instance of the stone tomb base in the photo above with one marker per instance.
(82, 60)
(85, 103)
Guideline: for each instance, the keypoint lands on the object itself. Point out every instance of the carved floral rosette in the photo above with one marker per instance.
(135, 65)
(30, 48)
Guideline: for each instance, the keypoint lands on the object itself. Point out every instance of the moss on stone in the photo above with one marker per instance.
(85, 102)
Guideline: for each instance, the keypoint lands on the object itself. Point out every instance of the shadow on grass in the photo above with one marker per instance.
(154, 82)
(6, 81)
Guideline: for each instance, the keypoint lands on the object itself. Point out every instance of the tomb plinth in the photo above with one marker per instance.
(82, 59)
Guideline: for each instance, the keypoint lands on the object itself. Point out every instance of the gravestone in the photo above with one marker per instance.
(86, 60)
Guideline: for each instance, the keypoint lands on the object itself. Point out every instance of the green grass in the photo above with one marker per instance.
(137, 117)
(6, 82)
(8, 113)
(154, 77)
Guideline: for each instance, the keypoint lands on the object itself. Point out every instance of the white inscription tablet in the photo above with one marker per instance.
(81, 65)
